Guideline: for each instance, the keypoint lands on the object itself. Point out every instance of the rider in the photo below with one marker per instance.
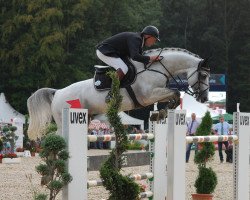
(127, 44)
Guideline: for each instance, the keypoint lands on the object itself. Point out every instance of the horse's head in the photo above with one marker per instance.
(198, 79)
(175, 61)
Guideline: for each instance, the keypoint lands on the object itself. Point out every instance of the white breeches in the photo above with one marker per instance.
(116, 63)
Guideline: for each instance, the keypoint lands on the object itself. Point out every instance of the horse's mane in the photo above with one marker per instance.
(171, 49)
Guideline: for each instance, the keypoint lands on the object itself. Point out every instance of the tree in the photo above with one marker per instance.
(37, 41)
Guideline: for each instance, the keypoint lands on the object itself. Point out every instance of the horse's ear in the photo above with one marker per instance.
(205, 62)
(208, 59)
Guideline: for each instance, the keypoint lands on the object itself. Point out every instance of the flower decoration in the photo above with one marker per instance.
(10, 155)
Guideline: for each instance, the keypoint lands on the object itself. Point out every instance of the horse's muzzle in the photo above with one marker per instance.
(202, 99)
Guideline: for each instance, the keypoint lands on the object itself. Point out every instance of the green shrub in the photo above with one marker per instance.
(54, 171)
(207, 180)
(135, 145)
(10, 136)
(120, 187)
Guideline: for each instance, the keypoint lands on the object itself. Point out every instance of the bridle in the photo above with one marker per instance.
(202, 72)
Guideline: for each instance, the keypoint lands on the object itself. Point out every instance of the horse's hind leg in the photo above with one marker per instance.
(58, 119)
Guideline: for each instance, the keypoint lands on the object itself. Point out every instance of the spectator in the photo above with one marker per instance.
(100, 143)
(93, 144)
(191, 131)
(134, 130)
(106, 145)
(222, 128)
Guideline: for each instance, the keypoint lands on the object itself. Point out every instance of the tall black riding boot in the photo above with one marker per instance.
(120, 75)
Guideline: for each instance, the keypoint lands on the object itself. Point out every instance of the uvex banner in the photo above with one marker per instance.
(75, 129)
(77, 117)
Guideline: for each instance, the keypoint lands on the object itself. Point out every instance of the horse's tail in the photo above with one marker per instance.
(40, 114)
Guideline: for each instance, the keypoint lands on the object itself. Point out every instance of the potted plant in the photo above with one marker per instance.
(206, 181)
(33, 151)
(19, 151)
(10, 158)
(32, 148)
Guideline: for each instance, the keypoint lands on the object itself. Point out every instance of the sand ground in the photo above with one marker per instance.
(14, 184)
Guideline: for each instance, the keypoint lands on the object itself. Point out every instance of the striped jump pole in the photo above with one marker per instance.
(135, 177)
(106, 138)
(211, 138)
(146, 194)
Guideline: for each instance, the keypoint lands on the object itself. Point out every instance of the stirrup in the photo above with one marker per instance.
(108, 97)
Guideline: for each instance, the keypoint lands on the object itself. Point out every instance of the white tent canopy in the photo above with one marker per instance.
(125, 119)
(192, 106)
(10, 116)
(7, 112)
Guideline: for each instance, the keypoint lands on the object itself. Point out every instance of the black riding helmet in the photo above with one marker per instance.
(151, 30)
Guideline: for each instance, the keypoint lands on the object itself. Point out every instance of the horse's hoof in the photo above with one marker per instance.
(154, 117)
(177, 93)
(178, 102)
(171, 104)
(162, 114)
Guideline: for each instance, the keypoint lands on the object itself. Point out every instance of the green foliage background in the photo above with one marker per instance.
(51, 43)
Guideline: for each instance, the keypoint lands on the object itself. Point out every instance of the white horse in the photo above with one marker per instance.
(149, 87)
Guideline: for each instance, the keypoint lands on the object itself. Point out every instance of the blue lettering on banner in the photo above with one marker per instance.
(244, 120)
(78, 118)
(180, 119)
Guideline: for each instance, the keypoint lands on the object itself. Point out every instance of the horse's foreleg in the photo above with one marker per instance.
(163, 95)
(173, 101)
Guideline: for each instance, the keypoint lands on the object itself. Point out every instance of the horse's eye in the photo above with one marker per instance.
(203, 74)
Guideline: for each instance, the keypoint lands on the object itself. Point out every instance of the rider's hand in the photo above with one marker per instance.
(154, 58)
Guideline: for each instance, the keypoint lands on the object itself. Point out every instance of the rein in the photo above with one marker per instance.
(197, 93)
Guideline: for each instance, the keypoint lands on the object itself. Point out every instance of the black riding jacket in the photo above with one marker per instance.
(126, 44)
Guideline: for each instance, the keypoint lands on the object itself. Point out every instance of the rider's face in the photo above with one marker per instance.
(149, 41)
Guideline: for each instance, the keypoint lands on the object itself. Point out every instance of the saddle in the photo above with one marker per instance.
(103, 82)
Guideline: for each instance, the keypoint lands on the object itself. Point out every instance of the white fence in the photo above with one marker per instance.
(168, 184)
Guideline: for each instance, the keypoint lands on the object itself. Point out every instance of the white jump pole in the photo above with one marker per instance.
(241, 128)
(159, 169)
(176, 149)
(75, 122)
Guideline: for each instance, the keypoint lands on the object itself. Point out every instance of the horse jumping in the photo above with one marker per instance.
(149, 87)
